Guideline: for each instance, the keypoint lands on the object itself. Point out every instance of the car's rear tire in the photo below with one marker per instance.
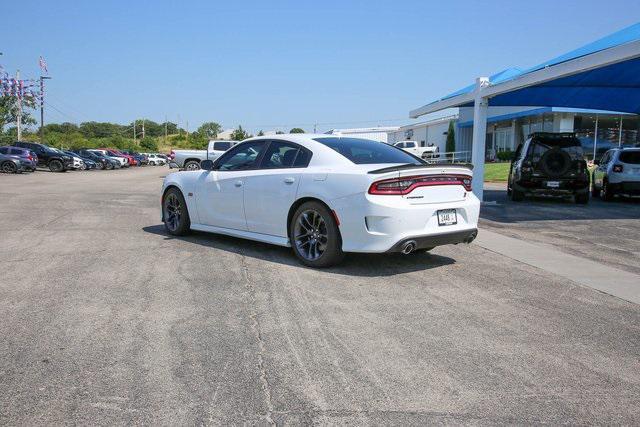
(315, 236)
(175, 213)
(192, 165)
(606, 194)
(9, 167)
(56, 166)
(581, 198)
(516, 196)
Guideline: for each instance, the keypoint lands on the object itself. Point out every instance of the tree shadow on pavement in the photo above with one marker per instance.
(354, 264)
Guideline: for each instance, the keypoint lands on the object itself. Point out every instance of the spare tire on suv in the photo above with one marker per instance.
(549, 164)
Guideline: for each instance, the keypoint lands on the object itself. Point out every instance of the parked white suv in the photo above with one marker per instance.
(617, 172)
(156, 160)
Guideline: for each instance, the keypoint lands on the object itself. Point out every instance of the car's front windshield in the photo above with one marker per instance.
(365, 151)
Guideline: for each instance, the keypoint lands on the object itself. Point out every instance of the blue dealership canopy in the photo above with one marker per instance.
(602, 75)
(614, 87)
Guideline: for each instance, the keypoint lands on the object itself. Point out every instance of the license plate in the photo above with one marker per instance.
(553, 184)
(447, 217)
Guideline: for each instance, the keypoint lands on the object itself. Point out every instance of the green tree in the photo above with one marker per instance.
(210, 129)
(451, 138)
(149, 143)
(297, 130)
(239, 134)
(9, 111)
(260, 133)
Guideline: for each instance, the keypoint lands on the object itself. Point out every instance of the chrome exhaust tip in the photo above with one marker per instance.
(472, 237)
(408, 247)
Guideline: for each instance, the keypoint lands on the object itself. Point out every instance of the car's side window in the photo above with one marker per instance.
(281, 154)
(221, 146)
(400, 145)
(410, 144)
(242, 157)
(518, 152)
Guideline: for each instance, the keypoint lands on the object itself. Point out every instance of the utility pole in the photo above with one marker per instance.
(134, 131)
(42, 79)
(142, 128)
(19, 96)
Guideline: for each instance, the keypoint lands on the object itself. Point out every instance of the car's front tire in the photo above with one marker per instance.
(174, 213)
(56, 166)
(315, 237)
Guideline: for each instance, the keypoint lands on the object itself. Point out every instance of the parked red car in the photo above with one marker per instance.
(116, 153)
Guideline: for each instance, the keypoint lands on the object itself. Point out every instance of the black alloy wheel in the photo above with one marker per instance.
(175, 214)
(9, 167)
(56, 166)
(315, 236)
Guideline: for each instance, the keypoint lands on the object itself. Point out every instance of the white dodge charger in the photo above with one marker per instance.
(324, 195)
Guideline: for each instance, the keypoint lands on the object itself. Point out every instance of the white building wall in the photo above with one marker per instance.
(563, 122)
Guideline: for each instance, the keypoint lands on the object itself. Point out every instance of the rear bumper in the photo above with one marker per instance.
(547, 186)
(425, 242)
(382, 223)
(632, 188)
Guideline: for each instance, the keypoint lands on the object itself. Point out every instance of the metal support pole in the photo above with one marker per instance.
(620, 133)
(595, 138)
(19, 97)
(479, 136)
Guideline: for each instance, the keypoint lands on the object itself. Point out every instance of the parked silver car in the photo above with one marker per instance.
(617, 172)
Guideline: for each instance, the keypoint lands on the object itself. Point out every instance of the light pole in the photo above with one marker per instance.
(42, 79)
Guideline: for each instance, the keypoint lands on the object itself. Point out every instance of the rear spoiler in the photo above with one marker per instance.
(430, 166)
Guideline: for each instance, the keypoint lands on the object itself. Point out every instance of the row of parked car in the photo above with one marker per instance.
(24, 156)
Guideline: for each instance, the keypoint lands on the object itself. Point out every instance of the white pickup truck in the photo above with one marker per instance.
(190, 159)
(414, 148)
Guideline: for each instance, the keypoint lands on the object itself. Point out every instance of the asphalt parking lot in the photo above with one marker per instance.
(605, 232)
(107, 320)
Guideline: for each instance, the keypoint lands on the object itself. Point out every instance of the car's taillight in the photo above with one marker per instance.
(405, 185)
(618, 168)
(30, 157)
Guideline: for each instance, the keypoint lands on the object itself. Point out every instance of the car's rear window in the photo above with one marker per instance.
(630, 157)
(365, 151)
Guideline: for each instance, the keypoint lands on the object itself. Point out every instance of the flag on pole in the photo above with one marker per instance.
(43, 65)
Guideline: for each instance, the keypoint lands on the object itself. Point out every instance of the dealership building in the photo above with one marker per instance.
(509, 126)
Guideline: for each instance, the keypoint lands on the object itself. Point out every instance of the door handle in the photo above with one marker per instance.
(289, 180)
(238, 183)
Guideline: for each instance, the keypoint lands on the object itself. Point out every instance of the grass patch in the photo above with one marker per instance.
(496, 171)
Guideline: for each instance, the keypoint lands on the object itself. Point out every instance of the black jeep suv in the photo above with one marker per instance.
(550, 164)
(55, 160)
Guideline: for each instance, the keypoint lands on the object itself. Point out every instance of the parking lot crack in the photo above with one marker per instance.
(255, 326)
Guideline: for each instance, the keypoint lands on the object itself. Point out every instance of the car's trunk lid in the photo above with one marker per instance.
(431, 183)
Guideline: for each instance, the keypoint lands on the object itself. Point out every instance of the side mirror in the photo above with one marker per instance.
(206, 165)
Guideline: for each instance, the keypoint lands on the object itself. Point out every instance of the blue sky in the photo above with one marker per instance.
(276, 65)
